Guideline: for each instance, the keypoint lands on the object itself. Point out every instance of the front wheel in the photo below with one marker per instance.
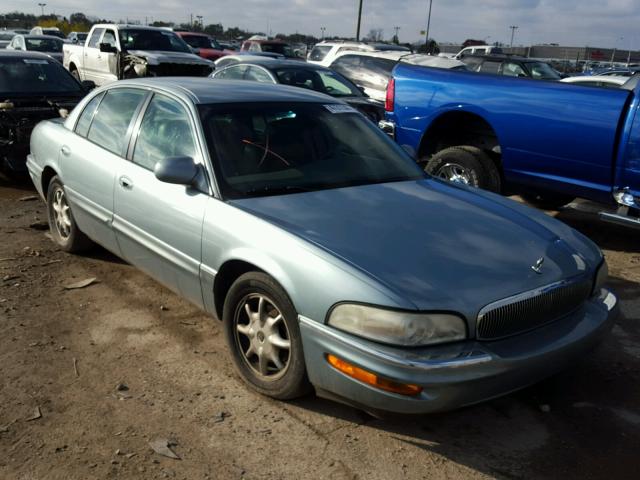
(261, 329)
(467, 165)
(63, 227)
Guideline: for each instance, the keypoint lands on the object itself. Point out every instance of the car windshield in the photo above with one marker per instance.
(35, 75)
(43, 44)
(542, 71)
(196, 41)
(142, 39)
(273, 149)
(325, 81)
(281, 48)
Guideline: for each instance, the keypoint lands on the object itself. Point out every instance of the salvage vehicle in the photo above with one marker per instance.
(331, 258)
(511, 66)
(303, 75)
(547, 141)
(204, 45)
(372, 70)
(33, 87)
(113, 52)
(52, 46)
(324, 52)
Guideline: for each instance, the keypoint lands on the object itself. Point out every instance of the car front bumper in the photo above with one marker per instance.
(453, 375)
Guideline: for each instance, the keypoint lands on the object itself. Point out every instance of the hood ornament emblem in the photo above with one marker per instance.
(538, 266)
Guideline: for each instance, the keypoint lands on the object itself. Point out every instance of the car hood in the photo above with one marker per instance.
(155, 57)
(439, 247)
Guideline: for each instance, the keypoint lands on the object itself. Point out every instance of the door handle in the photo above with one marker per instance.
(125, 182)
(66, 151)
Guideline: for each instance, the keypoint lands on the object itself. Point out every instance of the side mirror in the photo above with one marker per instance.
(108, 48)
(178, 170)
(88, 85)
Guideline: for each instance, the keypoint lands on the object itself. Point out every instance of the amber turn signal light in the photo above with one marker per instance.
(371, 378)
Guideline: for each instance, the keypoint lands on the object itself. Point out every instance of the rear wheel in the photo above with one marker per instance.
(467, 165)
(64, 231)
(261, 329)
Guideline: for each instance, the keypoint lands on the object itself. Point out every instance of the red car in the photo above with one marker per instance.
(205, 46)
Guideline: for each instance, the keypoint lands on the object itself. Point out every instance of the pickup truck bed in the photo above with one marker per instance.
(540, 137)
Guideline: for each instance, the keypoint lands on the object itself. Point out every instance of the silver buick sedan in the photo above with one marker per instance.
(332, 260)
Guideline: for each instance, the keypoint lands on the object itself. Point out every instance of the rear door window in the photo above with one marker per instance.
(111, 120)
(235, 72)
(84, 122)
(490, 67)
(257, 74)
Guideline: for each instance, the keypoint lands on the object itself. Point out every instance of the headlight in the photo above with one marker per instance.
(601, 277)
(398, 328)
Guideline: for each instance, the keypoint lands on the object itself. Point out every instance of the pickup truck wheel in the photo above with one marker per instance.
(465, 164)
(261, 329)
(547, 201)
(64, 231)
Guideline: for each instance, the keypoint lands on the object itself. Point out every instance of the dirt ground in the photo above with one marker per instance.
(124, 362)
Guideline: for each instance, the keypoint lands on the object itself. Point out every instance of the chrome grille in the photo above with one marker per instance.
(531, 310)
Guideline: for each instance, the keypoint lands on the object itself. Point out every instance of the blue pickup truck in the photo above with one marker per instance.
(547, 141)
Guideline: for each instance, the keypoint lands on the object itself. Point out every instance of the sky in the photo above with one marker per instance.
(603, 23)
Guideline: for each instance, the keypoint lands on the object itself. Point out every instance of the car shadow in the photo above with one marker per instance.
(582, 422)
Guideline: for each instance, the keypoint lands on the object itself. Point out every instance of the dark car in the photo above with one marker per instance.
(511, 66)
(33, 87)
(303, 75)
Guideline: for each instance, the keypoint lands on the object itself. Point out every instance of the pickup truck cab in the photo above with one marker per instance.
(113, 52)
(547, 141)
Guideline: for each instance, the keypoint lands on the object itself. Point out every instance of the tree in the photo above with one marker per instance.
(375, 35)
(214, 29)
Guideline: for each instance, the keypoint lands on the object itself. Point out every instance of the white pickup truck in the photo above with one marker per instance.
(113, 52)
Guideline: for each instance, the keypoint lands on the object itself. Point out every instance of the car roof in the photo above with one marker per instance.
(195, 34)
(277, 63)
(49, 37)
(503, 56)
(203, 90)
(23, 54)
(389, 55)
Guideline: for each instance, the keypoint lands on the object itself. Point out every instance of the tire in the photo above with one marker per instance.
(465, 164)
(547, 201)
(76, 74)
(64, 230)
(250, 337)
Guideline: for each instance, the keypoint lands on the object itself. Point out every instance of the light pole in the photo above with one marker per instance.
(42, 5)
(426, 40)
(615, 44)
(199, 17)
(397, 29)
(322, 29)
(513, 33)
(359, 19)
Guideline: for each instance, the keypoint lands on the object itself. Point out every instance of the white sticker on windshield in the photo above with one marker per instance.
(337, 108)
(36, 62)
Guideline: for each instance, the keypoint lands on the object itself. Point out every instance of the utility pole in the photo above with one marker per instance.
(359, 20)
(191, 21)
(199, 17)
(397, 29)
(513, 33)
(426, 40)
(322, 29)
(42, 5)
